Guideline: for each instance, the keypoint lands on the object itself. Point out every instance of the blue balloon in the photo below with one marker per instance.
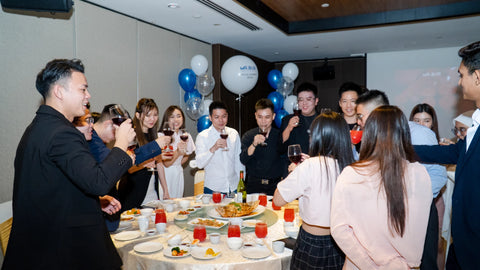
(203, 123)
(279, 116)
(274, 77)
(191, 94)
(277, 100)
(187, 79)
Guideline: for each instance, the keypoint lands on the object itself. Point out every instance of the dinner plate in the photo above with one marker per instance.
(199, 253)
(123, 225)
(221, 223)
(127, 235)
(168, 252)
(258, 211)
(256, 252)
(250, 223)
(148, 247)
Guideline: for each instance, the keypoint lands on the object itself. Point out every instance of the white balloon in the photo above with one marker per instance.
(199, 64)
(206, 104)
(290, 70)
(239, 74)
(289, 102)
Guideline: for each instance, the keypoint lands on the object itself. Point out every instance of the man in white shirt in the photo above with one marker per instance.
(219, 157)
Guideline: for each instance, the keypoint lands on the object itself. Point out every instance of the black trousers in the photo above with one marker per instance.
(452, 263)
(430, 247)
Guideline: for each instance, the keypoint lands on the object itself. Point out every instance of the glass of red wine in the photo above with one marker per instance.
(263, 131)
(119, 115)
(296, 109)
(356, 134)
(224, 135)
(295, 153)
(167, 131)
(183, 135)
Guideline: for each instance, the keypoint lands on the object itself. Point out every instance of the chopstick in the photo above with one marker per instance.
(269, 248)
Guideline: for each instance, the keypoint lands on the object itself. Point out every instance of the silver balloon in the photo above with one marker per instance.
(285, 86)
(194, 108)
(205, 84)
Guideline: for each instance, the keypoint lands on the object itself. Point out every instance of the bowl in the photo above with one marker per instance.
(291, 231)
(175, 240)
(234, 243)
(214, 238)
(184, 203)
(146, 212)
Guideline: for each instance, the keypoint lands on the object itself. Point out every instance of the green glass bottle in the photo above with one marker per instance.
(241, 189)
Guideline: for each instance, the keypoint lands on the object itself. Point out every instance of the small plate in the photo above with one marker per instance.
(181, 217)
(148, 247)
(168, 252)
(250, 223)
(199, 253)
(127, 235)
(221, 223)
(256, 252)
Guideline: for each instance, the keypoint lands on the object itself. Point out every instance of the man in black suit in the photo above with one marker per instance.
(464, 251)
(57, 216)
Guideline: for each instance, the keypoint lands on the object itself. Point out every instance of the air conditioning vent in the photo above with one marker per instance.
(230, 15)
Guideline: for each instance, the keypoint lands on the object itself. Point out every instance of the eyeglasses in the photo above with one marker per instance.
(461, 130)
(89, 120)
(359, 116)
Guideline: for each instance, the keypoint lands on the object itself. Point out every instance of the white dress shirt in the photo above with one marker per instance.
(471, 130)
(222, 168)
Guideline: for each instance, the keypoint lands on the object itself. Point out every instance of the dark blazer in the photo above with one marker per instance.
(57, 219)
(466, 195)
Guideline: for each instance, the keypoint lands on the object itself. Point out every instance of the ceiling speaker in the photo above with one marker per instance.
(39, 5)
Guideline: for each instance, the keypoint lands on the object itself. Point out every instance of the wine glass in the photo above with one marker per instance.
(296, 109)
(295, 153)
(183, 135)
(224, 135)
(356, 134)
(263, 131)
(118, 114)
(167, 131)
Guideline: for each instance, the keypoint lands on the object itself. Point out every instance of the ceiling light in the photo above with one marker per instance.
(276, 53)
(325, 5)
(197, 16)
(173, 5)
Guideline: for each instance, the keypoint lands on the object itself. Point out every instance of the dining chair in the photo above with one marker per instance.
(199, 180)
(6, 225)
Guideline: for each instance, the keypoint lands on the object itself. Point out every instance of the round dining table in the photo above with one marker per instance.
(135, 258)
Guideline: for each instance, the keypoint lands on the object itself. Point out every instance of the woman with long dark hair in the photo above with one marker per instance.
(142, 186)
(424, 114)
(381, 203)
(312, 182)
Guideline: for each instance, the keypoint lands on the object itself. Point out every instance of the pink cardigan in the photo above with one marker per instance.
(359, 220)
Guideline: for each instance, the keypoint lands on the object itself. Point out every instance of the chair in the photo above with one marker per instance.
(199, 180)
(6, 225)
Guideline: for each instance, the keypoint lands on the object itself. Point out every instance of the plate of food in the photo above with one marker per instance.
(256, 252)
(205, 253)
(233, 209)
(148, 247)
(208, 223)
(129, 215)
(127, 235)
(177, 252)
(180, 217)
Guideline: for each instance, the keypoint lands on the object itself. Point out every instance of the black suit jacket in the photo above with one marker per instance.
(57, 219)
(466, 195)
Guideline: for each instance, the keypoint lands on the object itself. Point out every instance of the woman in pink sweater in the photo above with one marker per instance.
(381, 203)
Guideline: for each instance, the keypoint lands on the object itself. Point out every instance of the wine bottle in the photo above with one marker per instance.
(241, 189)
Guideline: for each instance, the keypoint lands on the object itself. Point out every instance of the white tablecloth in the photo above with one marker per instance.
(229, 259)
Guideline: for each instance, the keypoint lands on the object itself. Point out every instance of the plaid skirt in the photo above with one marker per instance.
(316, 252)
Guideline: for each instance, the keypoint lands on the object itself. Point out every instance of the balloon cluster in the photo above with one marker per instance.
(197, 84)
(282, 101)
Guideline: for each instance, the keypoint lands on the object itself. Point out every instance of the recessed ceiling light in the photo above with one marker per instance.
(173, 5)
(276, 53)
(325, 5)
(197, 16)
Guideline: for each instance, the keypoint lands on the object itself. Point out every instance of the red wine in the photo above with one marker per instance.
(168, 132)
(263, 133)
(297, 112)
(224, 136)
(295, 159)
(118, 120)
(184, 137)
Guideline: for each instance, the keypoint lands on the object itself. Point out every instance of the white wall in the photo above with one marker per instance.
(124, 59)
(420, 76)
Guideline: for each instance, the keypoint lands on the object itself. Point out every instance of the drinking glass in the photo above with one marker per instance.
(183, 135)
(356, 134)
(289, 214)
(199, 232)
(224, 135)
(160, 216)
(295, 153)
(296, 109)
(263, 131)
(167, 131)
(274, 207)
(118, 114)
(217, 197)
(263, 199)
(261, 229)
(233, 231)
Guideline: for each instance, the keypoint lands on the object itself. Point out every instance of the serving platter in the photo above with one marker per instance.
(214, 214)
